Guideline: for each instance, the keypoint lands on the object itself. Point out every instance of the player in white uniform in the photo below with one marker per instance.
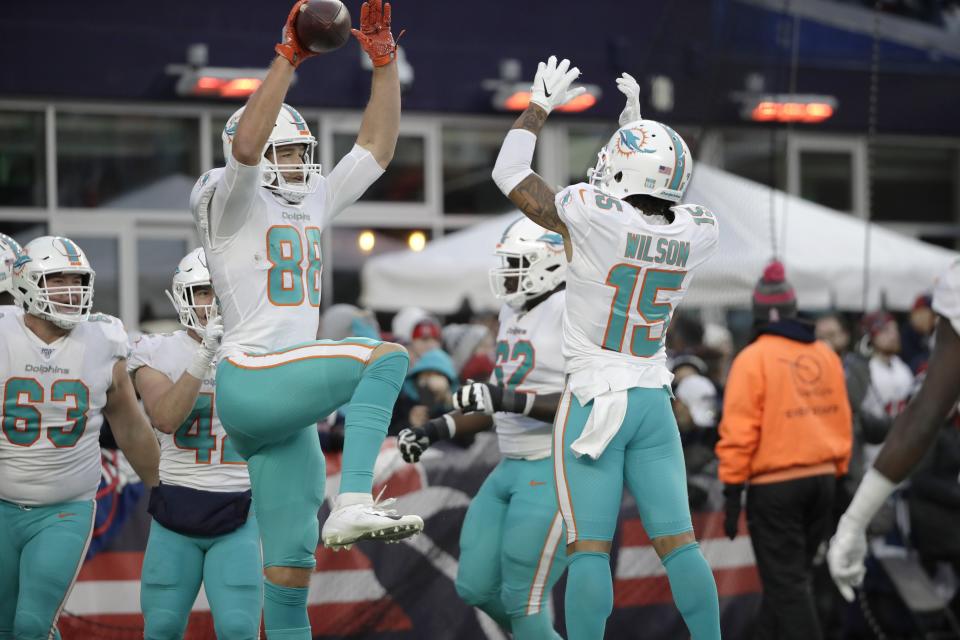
(914, 430)
(632, 248)
(202, 531)
(260, 219)
(510, 551)
(62, 371)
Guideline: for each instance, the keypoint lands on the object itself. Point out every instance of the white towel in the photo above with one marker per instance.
(606, 418)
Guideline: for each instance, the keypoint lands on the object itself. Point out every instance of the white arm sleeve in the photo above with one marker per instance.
(352, 176)
(232, 200)
(513, 162)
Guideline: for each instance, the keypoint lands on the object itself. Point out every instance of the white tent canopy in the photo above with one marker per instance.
(823, 251)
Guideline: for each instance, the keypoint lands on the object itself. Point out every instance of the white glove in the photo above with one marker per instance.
(848, 548)
(212, 335)
(629, 87)
(551, 85)
(474, 398)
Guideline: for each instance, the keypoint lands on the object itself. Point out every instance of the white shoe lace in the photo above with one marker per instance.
(379, 507)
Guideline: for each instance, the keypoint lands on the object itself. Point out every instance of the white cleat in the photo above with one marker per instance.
(375, 521)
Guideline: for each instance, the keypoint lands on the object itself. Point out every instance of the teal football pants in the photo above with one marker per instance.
(42, 552)
(512, 548)
(646, 454)
(230, 568)
(270, 404)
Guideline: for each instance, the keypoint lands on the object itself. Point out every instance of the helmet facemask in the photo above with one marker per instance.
(188, 311)
(291, 181)
(524, 275)
(64, 306)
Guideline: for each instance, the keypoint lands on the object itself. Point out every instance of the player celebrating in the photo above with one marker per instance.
(201, 531)
(260, 219)
(510, 555)
(914, 430)
(631, 249)
(62, 372)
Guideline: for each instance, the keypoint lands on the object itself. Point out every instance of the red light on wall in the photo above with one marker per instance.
(808, 112)
(520, 100)
(225, 88)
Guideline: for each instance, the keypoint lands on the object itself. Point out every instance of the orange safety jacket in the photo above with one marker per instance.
(785, 413)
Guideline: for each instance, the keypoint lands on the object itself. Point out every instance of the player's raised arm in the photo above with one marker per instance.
(262, 108)
(130, 427)
(381, 119)
(512, 171)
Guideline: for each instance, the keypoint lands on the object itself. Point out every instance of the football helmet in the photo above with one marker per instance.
(10, 250)
(290, 128)
(46, 256)
(644, 157)
(192, 273)
(532, 262)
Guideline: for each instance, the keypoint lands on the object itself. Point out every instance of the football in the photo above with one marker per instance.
(323, 25)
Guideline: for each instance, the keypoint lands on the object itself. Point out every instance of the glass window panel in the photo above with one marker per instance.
(756, 155)
(104, 258)
(22, 160)
(583, 145)
(349, 257)
(157, 259)
(126, 161)
(403, 180)
(468, 159)
(918, 184)
(826, 177)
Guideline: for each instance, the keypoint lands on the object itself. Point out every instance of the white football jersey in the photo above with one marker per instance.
(199, 454)
(627, 276)
(264, 253)
(53, 395)
(529, 359)
(946, 295)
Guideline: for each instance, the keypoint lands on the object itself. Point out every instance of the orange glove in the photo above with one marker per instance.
(290, 48)
(374, 34)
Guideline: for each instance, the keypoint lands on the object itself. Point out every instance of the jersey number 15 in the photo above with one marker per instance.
(624, 278)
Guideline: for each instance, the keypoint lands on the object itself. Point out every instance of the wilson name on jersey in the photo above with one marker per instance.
(627, 276)
(53, 396)
(198, 454)
(529, 359)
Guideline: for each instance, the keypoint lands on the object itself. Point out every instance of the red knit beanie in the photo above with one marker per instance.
(774, 297)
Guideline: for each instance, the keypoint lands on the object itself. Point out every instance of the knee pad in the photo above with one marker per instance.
(473, 594)
(237, 624)
(160, 624)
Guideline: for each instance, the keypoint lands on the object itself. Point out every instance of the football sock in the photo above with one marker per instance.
(589, 597)
(371, 408)
(694, 591)
(285, 612)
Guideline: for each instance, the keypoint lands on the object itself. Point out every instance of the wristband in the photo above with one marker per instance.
(442, 428)
(517, 402)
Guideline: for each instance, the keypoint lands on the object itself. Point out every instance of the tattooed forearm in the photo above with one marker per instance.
(535, 198)
(532, 119)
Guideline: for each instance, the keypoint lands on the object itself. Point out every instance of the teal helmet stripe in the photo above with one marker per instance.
(298, 120)
(679, 160)
(72, 253)
(506, 231)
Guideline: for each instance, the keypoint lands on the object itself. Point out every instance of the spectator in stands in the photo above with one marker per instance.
(471, 347)
(916, 335)
(696, 407)
(786, 433)
(345, 321)
(427, 392)
(426, 336)
(833, 329)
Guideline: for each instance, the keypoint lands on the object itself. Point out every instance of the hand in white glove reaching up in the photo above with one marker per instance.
(631, 89)
(551, 85)
(209, 345)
